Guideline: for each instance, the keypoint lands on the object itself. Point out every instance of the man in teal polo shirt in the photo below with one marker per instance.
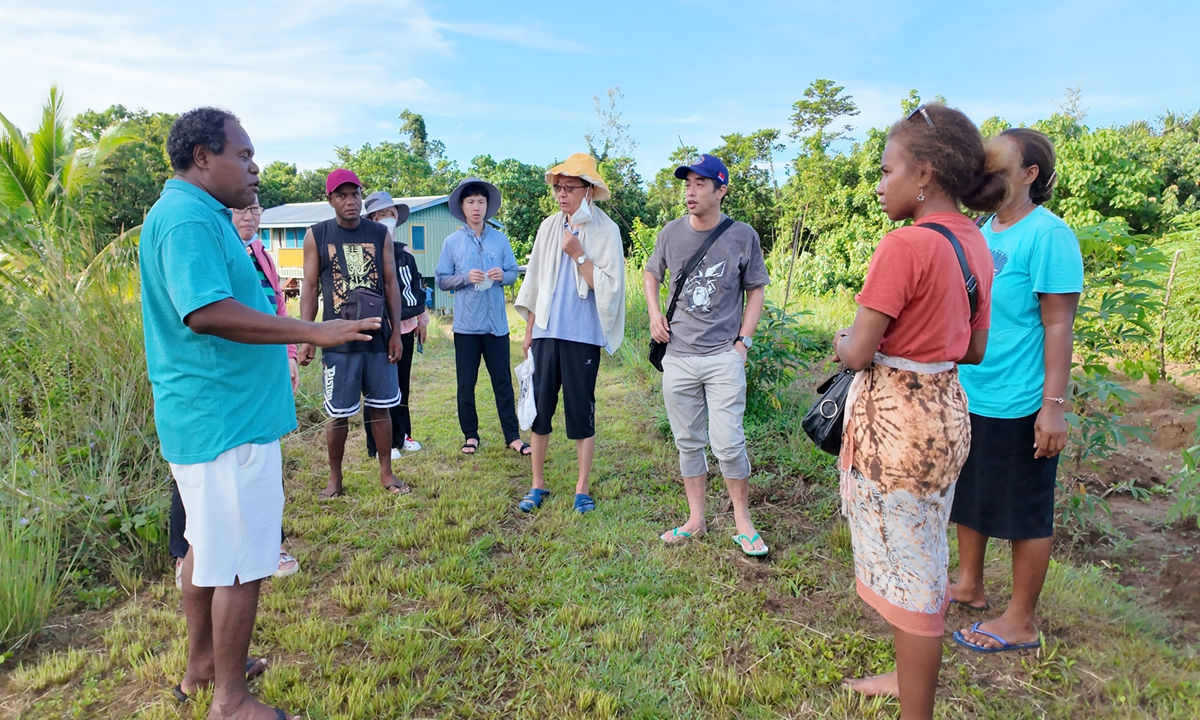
(222, 396)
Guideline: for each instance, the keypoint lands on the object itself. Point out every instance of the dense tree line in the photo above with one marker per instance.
(807, 188)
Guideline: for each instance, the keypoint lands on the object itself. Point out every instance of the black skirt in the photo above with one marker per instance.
(1003, 491)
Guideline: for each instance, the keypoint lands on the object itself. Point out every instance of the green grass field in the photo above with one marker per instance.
(449, 603)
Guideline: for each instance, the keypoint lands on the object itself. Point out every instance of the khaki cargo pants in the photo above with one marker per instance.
(706, 399)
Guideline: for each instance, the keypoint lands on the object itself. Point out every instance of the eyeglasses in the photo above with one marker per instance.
(253, 210)
(920, 109)
(566, 188)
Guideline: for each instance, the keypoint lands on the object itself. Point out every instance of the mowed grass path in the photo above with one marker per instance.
(450, 603)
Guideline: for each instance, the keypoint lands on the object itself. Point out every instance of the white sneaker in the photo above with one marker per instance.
(411, 445)
(396, 453)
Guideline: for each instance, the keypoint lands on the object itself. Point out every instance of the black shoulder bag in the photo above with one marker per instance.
(823, 421)
(657, 349)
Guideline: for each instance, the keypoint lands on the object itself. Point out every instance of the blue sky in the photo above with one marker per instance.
(517, 79)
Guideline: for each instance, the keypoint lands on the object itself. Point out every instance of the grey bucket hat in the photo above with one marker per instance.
(493, 198)
(380, 200)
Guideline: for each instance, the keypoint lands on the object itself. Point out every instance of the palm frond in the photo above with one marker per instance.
(18, 179)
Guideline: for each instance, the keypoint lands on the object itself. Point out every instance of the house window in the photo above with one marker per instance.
(418, 238)
(265, 236)
(293, 238)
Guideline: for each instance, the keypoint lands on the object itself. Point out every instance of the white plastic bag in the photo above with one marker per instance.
(526, 407)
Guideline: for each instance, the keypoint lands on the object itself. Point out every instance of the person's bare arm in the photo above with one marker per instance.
(528, 341)
(750, 316)
(231, 320)
(976, 348)
(1058, 318)
(391, 291)
(659, 329)
(855, 347)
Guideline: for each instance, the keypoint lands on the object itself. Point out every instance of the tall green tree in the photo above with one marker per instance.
(753, 195)
(404, 169)
(280, 183)
(134, 175)
(814, 116)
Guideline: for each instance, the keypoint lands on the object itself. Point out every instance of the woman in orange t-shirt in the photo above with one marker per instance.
(907, 432)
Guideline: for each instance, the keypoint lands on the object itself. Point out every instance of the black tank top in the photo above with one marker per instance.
(351, 259)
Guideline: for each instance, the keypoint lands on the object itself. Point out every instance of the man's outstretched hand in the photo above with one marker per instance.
(335, 332)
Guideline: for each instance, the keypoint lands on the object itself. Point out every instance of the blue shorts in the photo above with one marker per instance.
(353, 376)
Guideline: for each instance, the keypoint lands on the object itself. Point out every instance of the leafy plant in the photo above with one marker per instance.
(781, 343)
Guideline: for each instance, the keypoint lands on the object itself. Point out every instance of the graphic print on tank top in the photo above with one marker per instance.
(702, 286)
(362, 270)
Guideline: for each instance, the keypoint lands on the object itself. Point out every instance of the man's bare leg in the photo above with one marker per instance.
(335, 445)
(233, 611)
(694, 488)
(585, 449)
(739, 494)
(540, 444)
(381, 430)
(197, 608)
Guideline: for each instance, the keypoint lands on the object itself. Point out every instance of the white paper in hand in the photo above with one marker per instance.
(526, 407)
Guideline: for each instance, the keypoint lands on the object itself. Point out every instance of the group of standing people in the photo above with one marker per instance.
(924, 441)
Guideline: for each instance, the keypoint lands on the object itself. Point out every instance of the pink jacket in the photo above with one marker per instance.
(268, 266)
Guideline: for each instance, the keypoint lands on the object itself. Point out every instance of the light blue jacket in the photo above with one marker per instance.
(476, 312)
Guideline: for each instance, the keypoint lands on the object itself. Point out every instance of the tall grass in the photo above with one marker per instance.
(29, 577)
(77, 435)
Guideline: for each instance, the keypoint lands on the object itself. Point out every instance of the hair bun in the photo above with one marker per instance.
(988, 194)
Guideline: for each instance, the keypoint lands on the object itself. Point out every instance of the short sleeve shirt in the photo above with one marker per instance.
(1039, 255)
(709, 314)
(915, 278)
(210, 394)
(572, 317)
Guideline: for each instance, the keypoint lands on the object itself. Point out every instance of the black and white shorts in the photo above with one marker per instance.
(353, 376)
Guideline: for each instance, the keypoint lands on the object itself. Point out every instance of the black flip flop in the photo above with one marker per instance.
(251, 674)
(330, 495)
(521, 450)
(973, 608)
(470, 448)
(401, 488)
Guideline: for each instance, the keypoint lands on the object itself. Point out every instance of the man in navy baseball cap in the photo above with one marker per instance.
(708, 167)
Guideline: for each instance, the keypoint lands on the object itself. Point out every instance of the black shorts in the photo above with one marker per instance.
(572, 366)
(1003, 491)
(351, 376)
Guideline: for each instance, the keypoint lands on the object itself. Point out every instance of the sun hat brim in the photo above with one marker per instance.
(380, 200)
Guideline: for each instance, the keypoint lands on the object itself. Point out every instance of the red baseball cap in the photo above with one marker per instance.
(341, 176)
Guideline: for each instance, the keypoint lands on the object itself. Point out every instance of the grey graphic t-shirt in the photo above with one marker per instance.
(709, 314)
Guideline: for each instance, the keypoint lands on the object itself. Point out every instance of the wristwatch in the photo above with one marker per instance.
(746, 341)
(581, 259)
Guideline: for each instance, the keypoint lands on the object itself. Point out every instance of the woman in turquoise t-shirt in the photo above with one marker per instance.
(1017, 397)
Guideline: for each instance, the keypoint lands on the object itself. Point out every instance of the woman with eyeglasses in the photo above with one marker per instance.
(1018, 397)
(246, 221)
(924, 309)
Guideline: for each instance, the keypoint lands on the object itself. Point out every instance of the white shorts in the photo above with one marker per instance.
(234, 510)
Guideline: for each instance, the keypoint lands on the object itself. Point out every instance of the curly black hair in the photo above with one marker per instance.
(202, 126)
(948, 140)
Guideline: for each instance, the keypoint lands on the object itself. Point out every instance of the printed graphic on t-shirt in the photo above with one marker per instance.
(361, 271)
(999, 260)
(701, 287)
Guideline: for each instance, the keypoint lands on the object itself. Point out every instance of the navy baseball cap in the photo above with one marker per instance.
(708, 167)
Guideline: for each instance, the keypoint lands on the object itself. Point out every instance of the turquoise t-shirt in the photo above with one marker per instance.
(210, 394)
(1038, 255)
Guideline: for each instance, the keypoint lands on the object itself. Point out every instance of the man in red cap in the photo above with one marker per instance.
(350, 261)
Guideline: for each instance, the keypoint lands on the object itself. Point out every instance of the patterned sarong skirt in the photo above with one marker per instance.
(907, 434)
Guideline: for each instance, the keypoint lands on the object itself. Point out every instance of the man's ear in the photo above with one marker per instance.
(201, 156)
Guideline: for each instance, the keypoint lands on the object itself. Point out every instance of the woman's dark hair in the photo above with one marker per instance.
(948, 140)
(1036, 149)
(473, 189)
(202, 126)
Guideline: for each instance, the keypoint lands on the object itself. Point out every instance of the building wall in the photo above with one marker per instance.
(437, 222)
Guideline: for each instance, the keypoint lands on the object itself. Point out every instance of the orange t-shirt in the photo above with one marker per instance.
(914, 278)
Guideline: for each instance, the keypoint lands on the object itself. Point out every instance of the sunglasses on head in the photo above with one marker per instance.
(920, 111)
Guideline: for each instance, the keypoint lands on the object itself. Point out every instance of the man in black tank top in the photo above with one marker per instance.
(349, 260)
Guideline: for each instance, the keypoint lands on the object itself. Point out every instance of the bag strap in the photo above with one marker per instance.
(968, 277)
(691, 264)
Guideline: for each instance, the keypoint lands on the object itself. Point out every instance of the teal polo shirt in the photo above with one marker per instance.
(210, 394)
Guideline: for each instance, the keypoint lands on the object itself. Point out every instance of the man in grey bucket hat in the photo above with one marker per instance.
(476, 262)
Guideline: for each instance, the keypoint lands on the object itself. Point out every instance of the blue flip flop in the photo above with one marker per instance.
(1005, 646)
(584, 503)
(532, 500)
